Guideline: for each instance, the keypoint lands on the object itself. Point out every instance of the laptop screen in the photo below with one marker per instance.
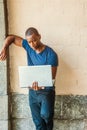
(41, 74)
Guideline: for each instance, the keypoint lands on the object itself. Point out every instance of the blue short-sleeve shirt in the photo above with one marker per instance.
(46, 57)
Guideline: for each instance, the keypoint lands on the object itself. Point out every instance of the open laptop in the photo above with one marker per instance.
(29, 74)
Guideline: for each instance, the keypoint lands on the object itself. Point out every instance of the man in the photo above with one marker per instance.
(41, 99)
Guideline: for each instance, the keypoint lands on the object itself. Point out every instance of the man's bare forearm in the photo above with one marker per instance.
(8, 41)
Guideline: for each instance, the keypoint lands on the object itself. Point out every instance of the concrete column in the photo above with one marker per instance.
(3, 75)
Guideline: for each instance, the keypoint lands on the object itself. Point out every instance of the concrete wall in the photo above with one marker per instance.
(70, 113)
(63, 25)
(3, 76)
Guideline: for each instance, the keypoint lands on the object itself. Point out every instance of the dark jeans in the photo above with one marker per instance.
(42, 108)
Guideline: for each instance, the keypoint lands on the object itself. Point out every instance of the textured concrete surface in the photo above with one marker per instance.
(71, 107)
(23, 124)
(3, 107)
(3, 78)
(66, 107)
(20, 106)
(69, 125)
(70, 112)
(4, 125)
(3, 69)
(4, 122)
(1, 1)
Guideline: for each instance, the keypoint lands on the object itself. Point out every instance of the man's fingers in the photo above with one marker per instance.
(36, 87)
(3, 57)
(3, 54)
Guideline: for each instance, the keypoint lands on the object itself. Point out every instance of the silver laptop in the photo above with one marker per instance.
(41, 74)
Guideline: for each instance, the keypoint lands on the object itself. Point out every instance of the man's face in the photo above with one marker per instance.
(34, 41)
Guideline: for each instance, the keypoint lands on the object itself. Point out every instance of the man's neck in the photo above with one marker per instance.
(40, 48)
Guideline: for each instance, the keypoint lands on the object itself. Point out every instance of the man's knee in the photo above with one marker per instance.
(47, 117)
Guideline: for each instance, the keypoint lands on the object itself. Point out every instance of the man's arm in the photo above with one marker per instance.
(54, 70)
(8, 41)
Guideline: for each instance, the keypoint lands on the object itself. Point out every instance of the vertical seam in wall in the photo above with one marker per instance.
(7, 61)
(6, 33)
(61, 106)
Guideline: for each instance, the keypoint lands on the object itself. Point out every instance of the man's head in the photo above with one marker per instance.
(31, 30)
(33, 37)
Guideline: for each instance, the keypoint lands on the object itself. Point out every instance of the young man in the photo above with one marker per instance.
(41, 99)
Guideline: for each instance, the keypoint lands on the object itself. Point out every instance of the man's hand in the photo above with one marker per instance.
(36, 87)
(3, 54)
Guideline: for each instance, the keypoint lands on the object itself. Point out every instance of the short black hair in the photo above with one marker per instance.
(31, 31)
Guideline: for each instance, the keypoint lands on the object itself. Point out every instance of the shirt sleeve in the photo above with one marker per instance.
(25, 44)
(53, 58)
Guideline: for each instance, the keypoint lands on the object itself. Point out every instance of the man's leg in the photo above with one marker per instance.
(35, 110)
(47, 108)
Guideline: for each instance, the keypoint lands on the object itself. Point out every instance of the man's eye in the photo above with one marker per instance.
(34, 40)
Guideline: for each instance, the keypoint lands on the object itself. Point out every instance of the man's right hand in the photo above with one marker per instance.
(36, 87)
(3, 54)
